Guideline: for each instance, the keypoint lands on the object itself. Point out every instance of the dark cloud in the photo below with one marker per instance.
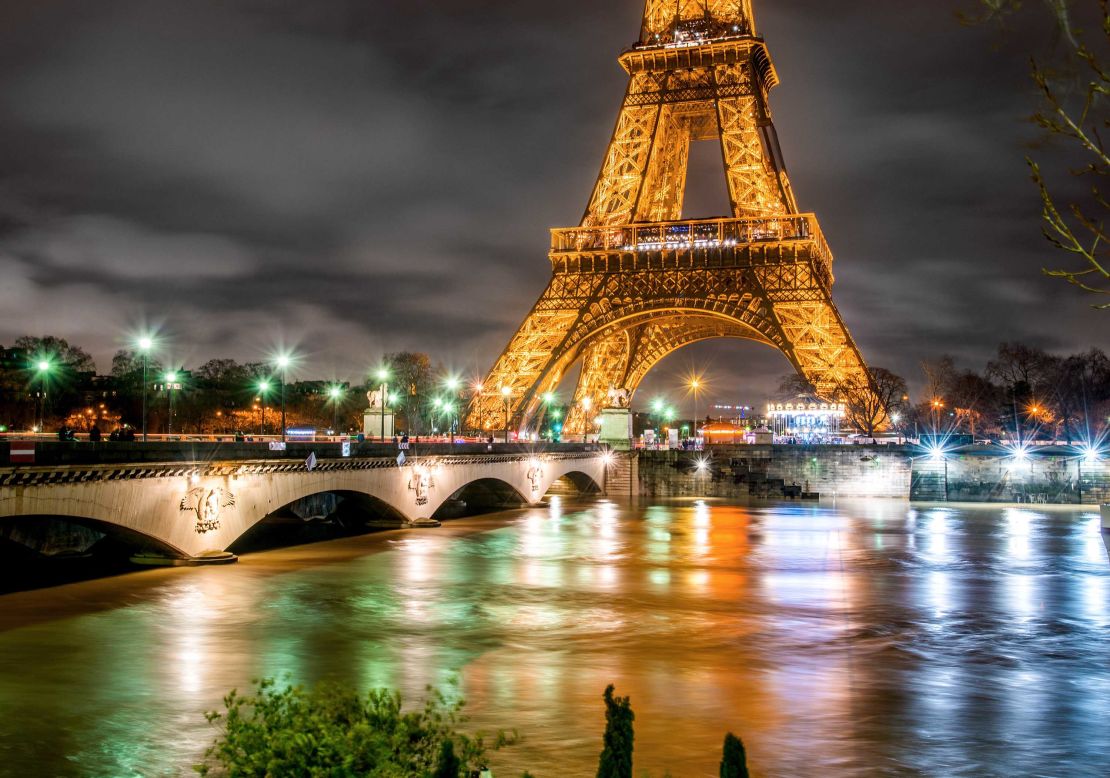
(356, 177)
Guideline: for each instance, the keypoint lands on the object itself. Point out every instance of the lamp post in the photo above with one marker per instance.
(383, 376)
(449, 409)
(506, 393)
(937, 405)
(452, 384)
(437, 409)
(334, 393)
(283, 363)
(171, 384)
(695, 384)
(263, 388)
(43, 372)
(657, 407)
(145, 344)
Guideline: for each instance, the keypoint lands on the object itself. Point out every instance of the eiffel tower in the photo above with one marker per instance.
(634, 282)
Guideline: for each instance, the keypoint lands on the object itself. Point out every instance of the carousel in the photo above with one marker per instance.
(805, 420)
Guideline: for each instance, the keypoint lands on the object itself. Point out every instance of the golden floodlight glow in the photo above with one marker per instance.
(634, 281)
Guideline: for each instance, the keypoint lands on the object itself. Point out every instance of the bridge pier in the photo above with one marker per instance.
(150, 559)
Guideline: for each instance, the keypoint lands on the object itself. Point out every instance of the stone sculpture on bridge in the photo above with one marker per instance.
(207, 504)
(421, 482)
(535, 477)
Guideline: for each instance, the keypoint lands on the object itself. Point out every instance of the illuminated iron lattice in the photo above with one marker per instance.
(635, 282)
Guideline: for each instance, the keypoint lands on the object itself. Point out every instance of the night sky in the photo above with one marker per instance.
(349, 178)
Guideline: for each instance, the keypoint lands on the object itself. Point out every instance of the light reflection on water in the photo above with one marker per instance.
(870, 639)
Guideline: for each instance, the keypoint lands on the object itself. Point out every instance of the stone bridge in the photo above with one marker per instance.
(193, 510)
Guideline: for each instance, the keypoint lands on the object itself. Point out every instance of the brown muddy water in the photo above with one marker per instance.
(864, 639)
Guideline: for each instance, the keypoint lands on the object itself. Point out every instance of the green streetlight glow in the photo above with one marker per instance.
(146, 343)
(382, 374)
(438, 402)
(452, 383)
(43, 366)
(263, 386)
(171, 377)
(334, 392)
(549, 397)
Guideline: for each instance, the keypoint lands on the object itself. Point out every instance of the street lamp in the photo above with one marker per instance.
(283, 363)
(437, 408)
(43, 371)
(263, 388)
(334, 393)
(937, 405)
(449, 409)
(145, 345)
(506, 393)
(171, 384)
(452, 385)
(656, 416)
(383, 376)
(695, 384)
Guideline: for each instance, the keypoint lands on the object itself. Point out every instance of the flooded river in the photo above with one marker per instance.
(867, 639)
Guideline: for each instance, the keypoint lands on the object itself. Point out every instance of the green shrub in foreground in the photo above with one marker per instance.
(332, 731)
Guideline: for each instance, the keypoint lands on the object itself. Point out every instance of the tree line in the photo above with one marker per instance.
(220, 396)
(1021, 393)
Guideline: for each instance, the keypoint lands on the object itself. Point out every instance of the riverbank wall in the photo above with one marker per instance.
(973, 474)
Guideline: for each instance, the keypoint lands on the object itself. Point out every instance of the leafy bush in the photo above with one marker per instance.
(331, 731)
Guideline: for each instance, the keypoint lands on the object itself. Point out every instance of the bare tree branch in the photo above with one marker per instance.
(1076, 228)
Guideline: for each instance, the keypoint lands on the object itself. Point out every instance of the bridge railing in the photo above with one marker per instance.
(193, 471)
(57, 453)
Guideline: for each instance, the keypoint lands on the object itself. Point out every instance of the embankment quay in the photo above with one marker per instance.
(1049, 475)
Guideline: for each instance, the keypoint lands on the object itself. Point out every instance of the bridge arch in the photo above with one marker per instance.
(73, 534)
(575, 481)
(480, 496)
(630, 341)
